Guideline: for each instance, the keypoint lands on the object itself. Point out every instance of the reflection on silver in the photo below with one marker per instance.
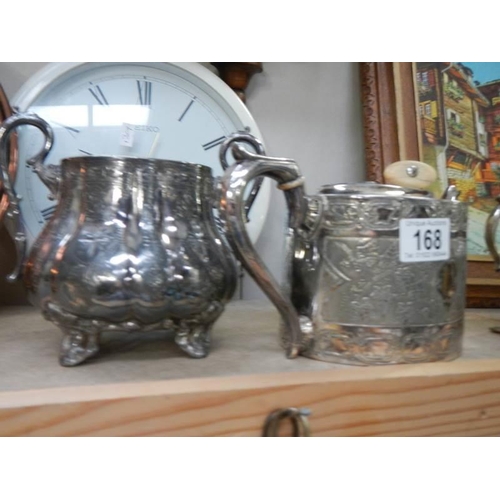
(489, 236)
(347, 297)
(133, 246)
(412, 171)
(491, 229)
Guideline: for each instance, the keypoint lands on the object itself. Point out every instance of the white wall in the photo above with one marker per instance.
(310, 112)
(14, 74)
(307, 111)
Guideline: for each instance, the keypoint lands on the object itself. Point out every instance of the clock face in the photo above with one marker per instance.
(178, 112)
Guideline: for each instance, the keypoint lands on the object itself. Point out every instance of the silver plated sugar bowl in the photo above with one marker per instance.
(374, 274)
(133, 245)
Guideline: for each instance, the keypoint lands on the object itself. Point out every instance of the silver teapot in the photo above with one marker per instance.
(374, 274)
(133, 245)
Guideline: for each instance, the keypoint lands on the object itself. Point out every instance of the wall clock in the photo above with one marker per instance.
(178, 111)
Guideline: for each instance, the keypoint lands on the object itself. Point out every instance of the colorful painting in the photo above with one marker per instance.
(459, 129)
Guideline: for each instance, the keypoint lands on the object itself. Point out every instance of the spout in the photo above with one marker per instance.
(50, 175)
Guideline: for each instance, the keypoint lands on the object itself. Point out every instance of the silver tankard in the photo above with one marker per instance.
(133, 245)
(374, 274)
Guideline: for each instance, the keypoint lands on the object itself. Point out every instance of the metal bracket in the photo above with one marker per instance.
(298, 417)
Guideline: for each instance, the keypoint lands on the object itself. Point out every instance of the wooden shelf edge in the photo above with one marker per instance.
(224, 397)
(366, 375)
(456, 398)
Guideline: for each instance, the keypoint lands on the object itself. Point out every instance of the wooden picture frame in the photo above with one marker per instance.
(392, 134)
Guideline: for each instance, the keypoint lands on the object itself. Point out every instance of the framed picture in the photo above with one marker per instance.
(446, 114)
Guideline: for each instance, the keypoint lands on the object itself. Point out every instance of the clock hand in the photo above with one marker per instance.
(71, 130)
(85, 152)
(154, 145)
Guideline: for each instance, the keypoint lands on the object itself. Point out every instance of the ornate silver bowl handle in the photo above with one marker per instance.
(491, 229)
(13, 221)
(249, 166)
(259, 148)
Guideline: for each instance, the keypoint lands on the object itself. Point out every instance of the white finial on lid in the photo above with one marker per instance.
(410, 174)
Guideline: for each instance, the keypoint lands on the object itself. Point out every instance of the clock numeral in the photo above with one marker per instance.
(186, 110)
(47, 213)
(99, 96)
(214, 143)
(144, 89)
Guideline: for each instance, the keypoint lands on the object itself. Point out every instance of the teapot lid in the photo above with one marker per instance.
(373, 189)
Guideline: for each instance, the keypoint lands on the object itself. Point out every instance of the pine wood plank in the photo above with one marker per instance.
(437, 399)
(454, 398)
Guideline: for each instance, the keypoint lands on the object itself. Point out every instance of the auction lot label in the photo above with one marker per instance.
(423, 240)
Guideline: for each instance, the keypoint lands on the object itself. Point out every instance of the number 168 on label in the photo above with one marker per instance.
(422, 240)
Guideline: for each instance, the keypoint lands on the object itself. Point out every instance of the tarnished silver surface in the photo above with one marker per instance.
(490, 232)
(259, 149)
(13, 220)
(5, 112)
(347, 296)
(489, 236)
(132, 246)
(232, 209)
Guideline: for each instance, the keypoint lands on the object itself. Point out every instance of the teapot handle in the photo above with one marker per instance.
(13, 221)
(259, 149)
(491, 229)
(249, 166)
